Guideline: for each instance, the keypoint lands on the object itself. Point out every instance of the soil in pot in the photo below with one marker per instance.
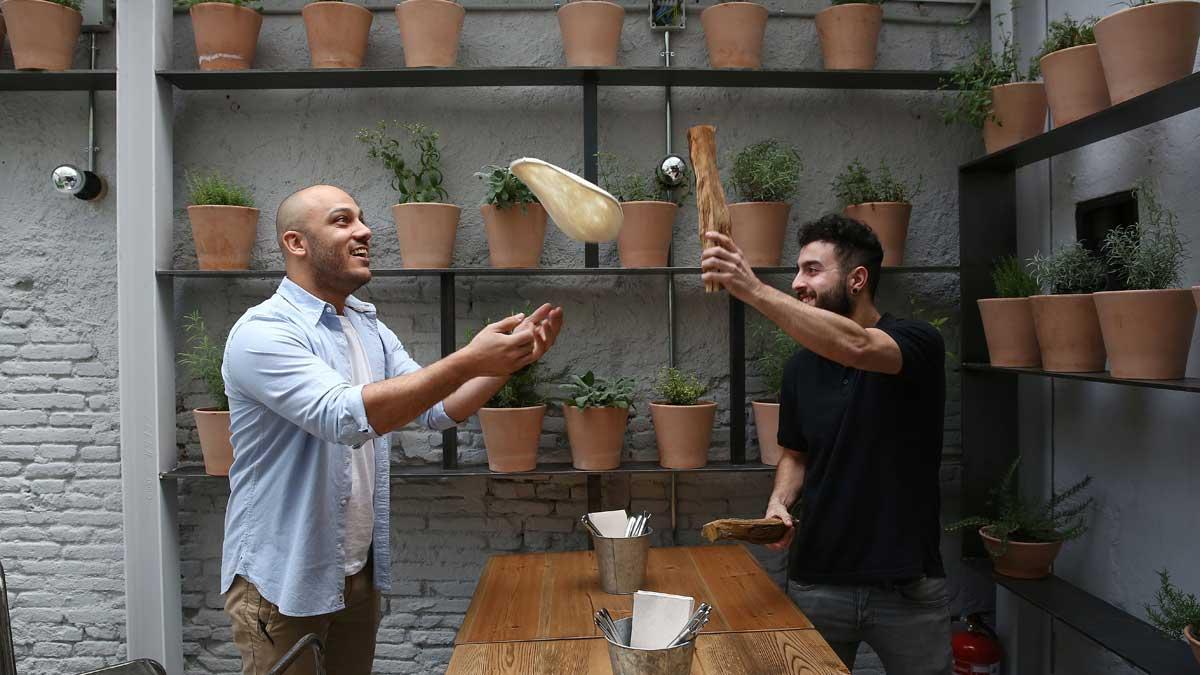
(512, 436)
(1068, 333)
(1008, 329)
(591, 32)
(226, 35)
(1021, 560)
(1075, 86)
(213, 428)
(1020, 114)
(733, 33)
(849, 35)
(43, 35)
(766, 422)
(645, 238)
(889, 222)
(1147, 334)
(758, 229)
(429, 31)
(515, 235)
(684, 433)
(426, 232)
(337, 33)
(596, 436)
(224, 236)
(1143, 48)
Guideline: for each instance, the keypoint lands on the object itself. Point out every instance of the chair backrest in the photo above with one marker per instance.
(8, 656)
(310, 641)
(138, 667)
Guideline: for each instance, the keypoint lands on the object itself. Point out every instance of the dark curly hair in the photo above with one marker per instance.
(855, 243)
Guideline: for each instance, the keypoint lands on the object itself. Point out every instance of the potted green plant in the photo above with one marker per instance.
(597, 410)
(733, 34)
(591, 32)
(1024, 536)
(1147, 45)
(645, 238)
(849, 33)
(226, 32)
(1148, 327)
(764, 176)
(775, 347)
(429, 31)
(1176, 614)
(425, 225)
(512, 421)
(683, 423)
(43, 33)
(995, 96)
(1008, 318)
(513, 218)
(1070, 63)
(203, 360)
(881, 202)
(1068, 329)
(337, 33)
(224, 221)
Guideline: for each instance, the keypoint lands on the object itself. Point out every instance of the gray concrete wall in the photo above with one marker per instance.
(59, 259)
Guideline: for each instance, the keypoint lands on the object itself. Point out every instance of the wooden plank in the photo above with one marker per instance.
(792, 652)
(743, 593)
(508, 600)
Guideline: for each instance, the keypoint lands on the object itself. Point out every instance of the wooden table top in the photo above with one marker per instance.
(791, 652)
(549, 596)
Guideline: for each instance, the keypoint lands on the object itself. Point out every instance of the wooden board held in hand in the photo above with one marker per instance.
(758, 531)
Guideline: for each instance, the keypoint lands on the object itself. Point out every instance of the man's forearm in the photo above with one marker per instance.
(830, 335)
(789, 478)
(396, 401)
(471, 396)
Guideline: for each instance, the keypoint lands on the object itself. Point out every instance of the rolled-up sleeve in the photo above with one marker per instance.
(400, 363)
(269, 360)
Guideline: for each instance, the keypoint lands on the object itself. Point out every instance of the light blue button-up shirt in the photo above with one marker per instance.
(295, 419)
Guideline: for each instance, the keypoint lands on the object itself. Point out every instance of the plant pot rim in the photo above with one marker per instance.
(1143, 291)
(737, 3)
(436, 2)
(698, 404)
(637, 202)
(453, 206)
(1001, 300)
(1014, 542)
(221, 206)
(210, 410)
(520, 409)
(994, 87)
(594, 407)
(1160, 3)
(1067, 49)
(342, 3)
(46, 2)
(762, 402)
(224, 4)
(880, 204)
(750, 203)
(514, 206)
(1064, 296)
(875, 5)
(590, 2)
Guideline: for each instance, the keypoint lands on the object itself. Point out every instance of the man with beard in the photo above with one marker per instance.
(316, 383)
(860, 423)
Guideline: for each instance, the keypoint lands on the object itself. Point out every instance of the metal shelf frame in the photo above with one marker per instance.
(401, 472)
(1191, 384)
(64, 80)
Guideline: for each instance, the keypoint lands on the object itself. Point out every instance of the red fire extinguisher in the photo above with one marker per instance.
(976, 649)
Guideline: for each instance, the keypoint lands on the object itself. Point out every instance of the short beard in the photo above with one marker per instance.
(836, 300)
(328, 272)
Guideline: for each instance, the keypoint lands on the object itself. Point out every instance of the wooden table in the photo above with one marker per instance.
(533, 613)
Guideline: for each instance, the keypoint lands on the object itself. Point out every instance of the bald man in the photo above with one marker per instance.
(315, 383)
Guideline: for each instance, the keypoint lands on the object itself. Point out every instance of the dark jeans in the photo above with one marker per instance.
(907, 625)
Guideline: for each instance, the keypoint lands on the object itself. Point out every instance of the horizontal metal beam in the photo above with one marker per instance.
(1191, 384)
(400, 471)
(63, 80)
(528, 272)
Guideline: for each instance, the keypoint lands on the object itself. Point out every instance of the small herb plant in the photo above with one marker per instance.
(856, 185)
(504, 190)
(1149, 254)
(1012, 280)
(523, 388)
(974, 80)
(775, 347)
(419, 183)
(630, 186)
(1070, 270)
(1173, 610)
(1067, 32)
(1061, 518)
(203, 359)
(188, 4)
(766, 172)
(591, 391)
(676, 387)
(213, 189)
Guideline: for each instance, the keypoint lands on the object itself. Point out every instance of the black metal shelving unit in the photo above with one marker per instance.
(64, 80)
(987, 231)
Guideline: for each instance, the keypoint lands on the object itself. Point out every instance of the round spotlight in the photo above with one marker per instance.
(70, 180)
(672, 171)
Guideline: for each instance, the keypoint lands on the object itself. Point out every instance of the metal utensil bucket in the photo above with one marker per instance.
(622, 562)
(630, 661)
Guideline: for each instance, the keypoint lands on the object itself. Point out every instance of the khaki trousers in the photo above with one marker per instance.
(263, 635)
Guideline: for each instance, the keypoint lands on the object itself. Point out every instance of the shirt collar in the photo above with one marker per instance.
(312, 307)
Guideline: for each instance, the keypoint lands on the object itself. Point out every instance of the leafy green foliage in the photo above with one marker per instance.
(187, 4)
(504, 190)
(591, 391)
(203, 359)
(629, 186)
(1067, 32)
(766, 172)
(774, 347)
(1173, 610)
(1012, 280)
(676, 387)
(1149, 254)
(1070, 269)
(975, 78)
(416, 184)
(523, 389)
(213, 189)
(1061, 518)
(856, 185)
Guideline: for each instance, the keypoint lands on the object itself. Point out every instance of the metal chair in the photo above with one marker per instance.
(138, 667)
(310, 641)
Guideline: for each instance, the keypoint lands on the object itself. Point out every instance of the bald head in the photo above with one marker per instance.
(299, 210)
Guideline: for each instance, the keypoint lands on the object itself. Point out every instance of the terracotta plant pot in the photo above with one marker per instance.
(766, 421)
(215, 445)
(1075, 86)
(1020, 114)
(337, 33)
(645, 238)
(429, 30)
(889, 222)
(1068, 333)
(224, 236)
(1196, 292)
(43, 34)
(511, 436)
(733, 33)
(1021, 560)
(226, 35)
(426, 232)
(684, 433)
(758, 229)
(596, 436)
(849, 35)
(1189, 632)
(591, 32)
(1147, 333)
(1143, 48)
(515, 235)
(1008, 329)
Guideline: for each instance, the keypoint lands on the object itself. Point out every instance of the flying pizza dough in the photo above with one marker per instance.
(579, 208)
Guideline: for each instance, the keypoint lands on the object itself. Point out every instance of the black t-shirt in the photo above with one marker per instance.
(870, 502)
